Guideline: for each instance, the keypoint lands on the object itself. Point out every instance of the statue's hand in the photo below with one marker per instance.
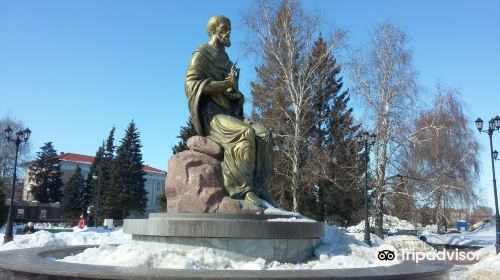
(232, 95)
(234, 77)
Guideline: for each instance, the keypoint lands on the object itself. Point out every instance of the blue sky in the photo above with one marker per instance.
(72, 69)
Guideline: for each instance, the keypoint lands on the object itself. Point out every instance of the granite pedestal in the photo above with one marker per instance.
(239, 237)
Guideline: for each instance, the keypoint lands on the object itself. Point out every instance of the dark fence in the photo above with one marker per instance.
(53, 222)
(68, 223)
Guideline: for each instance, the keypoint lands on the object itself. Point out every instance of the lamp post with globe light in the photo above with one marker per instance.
(493, 124)
(21, 136)
(98, 186)
(368, 141)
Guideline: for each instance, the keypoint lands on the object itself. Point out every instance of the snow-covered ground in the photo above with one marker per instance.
(391, 223)
(487, 268)
(429, 229)
(482, 237)
(337, 250)
(87, 236)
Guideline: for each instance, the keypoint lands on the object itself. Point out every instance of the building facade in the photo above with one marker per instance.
(6, 188)
(154, 178)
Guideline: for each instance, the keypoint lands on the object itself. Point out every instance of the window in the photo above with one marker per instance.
(43, 214)
(158, 187)
(20, 214)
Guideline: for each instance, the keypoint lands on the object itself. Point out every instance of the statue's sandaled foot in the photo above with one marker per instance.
(251, 198)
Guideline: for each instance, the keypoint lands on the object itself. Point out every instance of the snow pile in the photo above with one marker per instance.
(272, 210)
(337, 250)
(391, 223)
(409, 243)
(44, 238)
(486, 230)
(487, 268)
(400, 242)
(429, 229)
(360, 236)
(477, 225)
(39, 226)
(486, 252)
(292, 219)
(482, 237)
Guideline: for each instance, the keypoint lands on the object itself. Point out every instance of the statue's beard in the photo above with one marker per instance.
(225, 39)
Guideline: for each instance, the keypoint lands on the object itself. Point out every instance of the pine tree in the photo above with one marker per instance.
(127, 176)
(284, 95)
(186, 132)
(326, 139)
(3, 208)
(101, 166)
(72, 204)
(46, 174)
(91, 181)
(332, 137)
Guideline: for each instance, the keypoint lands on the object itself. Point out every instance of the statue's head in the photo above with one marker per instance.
(220, 27)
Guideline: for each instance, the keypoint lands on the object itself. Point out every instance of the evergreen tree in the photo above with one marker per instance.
(110, 145)
(332, 137)
(186, 132)
(92, 176)
(46, 174)
(72, 204)
(101, 166)
(127, 177)
(326, 139)
(162, 201)
(4, 210)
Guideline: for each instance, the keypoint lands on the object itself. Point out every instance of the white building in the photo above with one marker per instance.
(155, 178)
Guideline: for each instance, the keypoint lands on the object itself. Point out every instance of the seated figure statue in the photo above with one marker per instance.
(216, 108)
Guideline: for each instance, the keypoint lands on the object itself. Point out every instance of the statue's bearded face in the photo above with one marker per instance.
(223, 33)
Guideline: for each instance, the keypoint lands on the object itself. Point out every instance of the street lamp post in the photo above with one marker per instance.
(493, 124)
(368, 140)
(21, 136)
(98, 187)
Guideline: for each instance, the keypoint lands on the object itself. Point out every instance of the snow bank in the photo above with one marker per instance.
(487, 268)
(272, 210)
(391, 223)
(292, 219)
(376, 241)
(482, 237)
(409, 243)
(406, 242)
(44, 238)
(337, 250)
(429, 229)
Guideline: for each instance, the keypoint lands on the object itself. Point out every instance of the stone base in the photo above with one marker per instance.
(238, 249)
(239, 237)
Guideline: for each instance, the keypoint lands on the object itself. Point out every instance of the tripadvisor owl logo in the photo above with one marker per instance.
(386, 255)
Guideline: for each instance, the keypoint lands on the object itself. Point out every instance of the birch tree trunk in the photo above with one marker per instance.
(283, 35)
(385, 79)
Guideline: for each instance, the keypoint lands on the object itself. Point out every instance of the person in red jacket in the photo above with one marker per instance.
(81, 222)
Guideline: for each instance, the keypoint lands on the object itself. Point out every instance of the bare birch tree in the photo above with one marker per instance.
(446, 160)
(283, 35)
(385, 79)
(8, 150)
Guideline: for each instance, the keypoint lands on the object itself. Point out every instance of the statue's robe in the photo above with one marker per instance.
(247, 163)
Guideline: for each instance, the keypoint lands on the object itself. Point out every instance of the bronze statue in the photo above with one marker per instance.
(216, 107)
